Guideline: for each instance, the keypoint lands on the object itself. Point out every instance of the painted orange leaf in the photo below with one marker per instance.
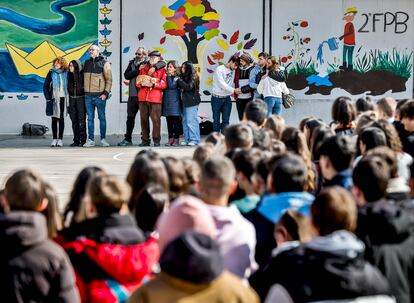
(210, 61)
(218, 55)
(162, 40)
(234, 38)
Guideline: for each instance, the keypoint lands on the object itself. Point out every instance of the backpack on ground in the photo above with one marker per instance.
(29, 129)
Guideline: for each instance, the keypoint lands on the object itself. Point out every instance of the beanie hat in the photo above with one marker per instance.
(186, 213)
(246, 57)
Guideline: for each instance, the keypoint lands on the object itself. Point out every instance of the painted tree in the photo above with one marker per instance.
(193, 21)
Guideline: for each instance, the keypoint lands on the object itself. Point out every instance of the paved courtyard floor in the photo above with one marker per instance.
(60, 166)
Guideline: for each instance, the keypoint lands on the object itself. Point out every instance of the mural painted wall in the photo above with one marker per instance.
(34, 32)
(207, 32)
(331, 48)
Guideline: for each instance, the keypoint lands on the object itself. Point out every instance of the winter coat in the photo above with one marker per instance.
(241, 80)
(48, 92)
(327, 268)
(152, 94)
(97, 76)
(189, 96)
(110, 257)
(132, 72)
(342, 179)
(387, 229)
(33, 268)
(192, 272)
(171, 100)
(76, 84)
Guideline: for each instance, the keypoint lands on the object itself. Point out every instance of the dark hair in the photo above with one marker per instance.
(289, 174)
(151, 203)
(256, 111)
(177, 177)
(238, 135)
(74, 205)
(364, 104)
(319, 135)
(262, 138)
(343, 111)
(311, 125)
(74, 78)
(372, 137)
(263, 54)
(174, 63)
(296, 225)
(235, 59)
(407, 110)
(387, 105)
(388, 156)
(190, 75)
(334, 209)
(340, 150)
(245, 161)
(371, 176)
(302, 122)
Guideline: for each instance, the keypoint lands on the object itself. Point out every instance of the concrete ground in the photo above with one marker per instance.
(60, 166)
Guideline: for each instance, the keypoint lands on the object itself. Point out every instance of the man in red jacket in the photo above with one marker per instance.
(150, 99)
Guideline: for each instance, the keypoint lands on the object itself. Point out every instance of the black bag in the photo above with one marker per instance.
(206, 127)
(49, 107)
(34, 129)
(288, 100)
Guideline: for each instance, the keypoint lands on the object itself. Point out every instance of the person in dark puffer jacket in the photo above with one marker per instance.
(32, 268)
(109, 252)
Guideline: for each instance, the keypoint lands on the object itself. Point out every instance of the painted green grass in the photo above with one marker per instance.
(302, 67)
(85, 29)
(396, 62)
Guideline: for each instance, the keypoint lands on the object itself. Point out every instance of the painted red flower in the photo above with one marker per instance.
(304, 24)
(284, 59)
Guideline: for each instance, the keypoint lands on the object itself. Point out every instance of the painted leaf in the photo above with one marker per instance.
(126, 83)
(210, 61)
(250, 44)
(141, 36)
(224, 36)
(223, 44)
(240, 46)
(234, 38)
(162, 40)
(247, 36)
(160, 50)
(220, 63)
(209, 81)
(218, 55)
(208, 35)
(126, 49)
(207, 93)
(256, 53)
(210, 71)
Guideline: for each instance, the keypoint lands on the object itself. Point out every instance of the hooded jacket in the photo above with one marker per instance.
(109, 256)
(33, 268)
(327, 268)
(192, 272)
(387, 229)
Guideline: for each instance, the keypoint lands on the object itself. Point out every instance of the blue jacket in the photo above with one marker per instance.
(342, 179)
(171, 101)
(252, 79)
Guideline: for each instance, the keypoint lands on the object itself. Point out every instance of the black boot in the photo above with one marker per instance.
(145, 143)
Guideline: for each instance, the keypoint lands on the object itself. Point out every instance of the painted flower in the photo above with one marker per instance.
(284, 59)
(304, 24)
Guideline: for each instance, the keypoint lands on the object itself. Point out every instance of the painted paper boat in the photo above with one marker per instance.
(105, 11)
(1, 97)
(39, 61)
(22, 97)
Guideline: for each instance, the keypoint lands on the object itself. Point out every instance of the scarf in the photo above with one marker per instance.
(56, 73)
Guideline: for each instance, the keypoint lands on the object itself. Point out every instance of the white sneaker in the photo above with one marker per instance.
(183, 143)
(104, 143)
(54, 143)
(59, 143)
(89, 143)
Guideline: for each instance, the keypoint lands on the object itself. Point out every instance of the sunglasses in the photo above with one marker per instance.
(139, 54)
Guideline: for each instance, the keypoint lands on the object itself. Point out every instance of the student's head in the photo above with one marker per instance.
(261, 172)
(203, 152)
(309, 127)
(343, 111)
(292, 226)
(370, 178)
(238, 136)
(216, 138)
(319, 135)
(400, 103)
(256, 111)
(407, 115)
(74, 66)
(4, 206)
(94, 51)
(371, 137)
(289, 174)
(364, 104)
(302, 122)
(217, 180)
(153, 201)
(272, 63)
(365, 119)
(386, 108)
(25, 190)
(245, 59)
(177, 177)
(262, 59)
(53, 218)
(245, 162)
(60, 63)
(233, 62)
(172, 67)
(333, 209)
(192, 170)
(262, 138)
(393, 139)
(388, 156)
(277, 125)
(108, 195)
(278, 147)
(75, 209)
(336, 154)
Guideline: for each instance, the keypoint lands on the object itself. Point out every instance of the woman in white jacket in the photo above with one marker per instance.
(271, 89)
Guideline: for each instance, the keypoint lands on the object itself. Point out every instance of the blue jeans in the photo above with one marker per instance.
(191, 127)
(91, 102)
(274, 105)
(220, 106)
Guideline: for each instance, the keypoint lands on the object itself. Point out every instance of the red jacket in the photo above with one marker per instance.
(152, 94)
(126, 267)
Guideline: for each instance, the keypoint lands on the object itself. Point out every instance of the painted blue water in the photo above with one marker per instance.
(319, 81)
(47, 27)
